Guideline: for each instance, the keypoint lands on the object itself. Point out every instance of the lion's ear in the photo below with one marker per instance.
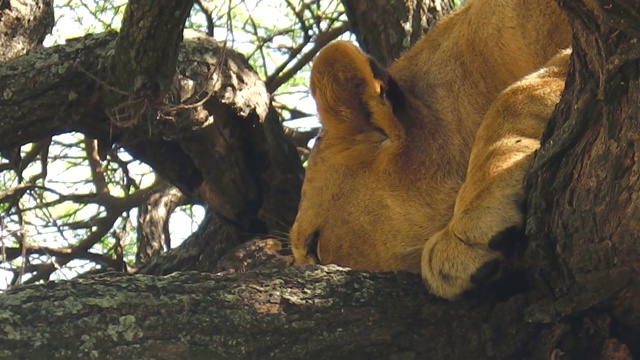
(350, 90)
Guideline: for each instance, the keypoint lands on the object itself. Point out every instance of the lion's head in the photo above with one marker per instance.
(377, 186)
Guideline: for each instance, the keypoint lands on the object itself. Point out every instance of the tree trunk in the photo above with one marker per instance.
(386, 29)
(584, 217)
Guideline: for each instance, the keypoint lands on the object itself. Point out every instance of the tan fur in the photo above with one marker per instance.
(409, 189)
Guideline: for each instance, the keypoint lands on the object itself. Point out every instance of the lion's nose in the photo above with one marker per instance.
(305, 252)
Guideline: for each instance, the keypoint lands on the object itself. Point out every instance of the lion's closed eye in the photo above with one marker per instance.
(409, 170)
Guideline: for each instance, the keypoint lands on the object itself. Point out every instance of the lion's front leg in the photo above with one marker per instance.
(489, 206)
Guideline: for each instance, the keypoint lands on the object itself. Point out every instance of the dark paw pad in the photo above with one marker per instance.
(486, 272)
(505, 241)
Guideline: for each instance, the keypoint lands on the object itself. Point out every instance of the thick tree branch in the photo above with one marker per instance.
(146, 52)
(588, 146)
(153, 236)
(583, 216)
(214, 128)
(49, 91)
(323, 312)
(201, 250)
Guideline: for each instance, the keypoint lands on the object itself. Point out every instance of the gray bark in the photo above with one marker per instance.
(323, 312)
(153, 236)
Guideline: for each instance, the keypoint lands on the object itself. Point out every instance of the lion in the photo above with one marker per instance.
(420, 167)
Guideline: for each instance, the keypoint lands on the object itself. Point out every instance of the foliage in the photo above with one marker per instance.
(67, 205)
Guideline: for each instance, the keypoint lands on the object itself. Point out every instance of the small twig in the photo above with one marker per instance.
(103, 83)
(278, 79)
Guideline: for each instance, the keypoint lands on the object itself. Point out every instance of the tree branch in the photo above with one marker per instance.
(280, 76)
(311, 313)
(176, 135)
(97, 173)
(386, 39)
(48, 92)
(153, 236)
(146, 52)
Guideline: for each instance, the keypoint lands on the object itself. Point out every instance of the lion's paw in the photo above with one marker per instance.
(451, 265)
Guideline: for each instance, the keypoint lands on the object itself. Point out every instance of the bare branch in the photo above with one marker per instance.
(62, 253)
(207, 14)
(301, 138)
(97, 173)
(278, 78)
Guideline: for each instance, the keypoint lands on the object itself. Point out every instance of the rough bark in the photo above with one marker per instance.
(316, 313)
(584, 216)
(23, 26)
(324, 312)
(153, 236)
(146, 52)
(214, 135)
(385, 29)
(201, 251)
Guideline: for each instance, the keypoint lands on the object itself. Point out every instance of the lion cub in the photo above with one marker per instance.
(420, 167)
